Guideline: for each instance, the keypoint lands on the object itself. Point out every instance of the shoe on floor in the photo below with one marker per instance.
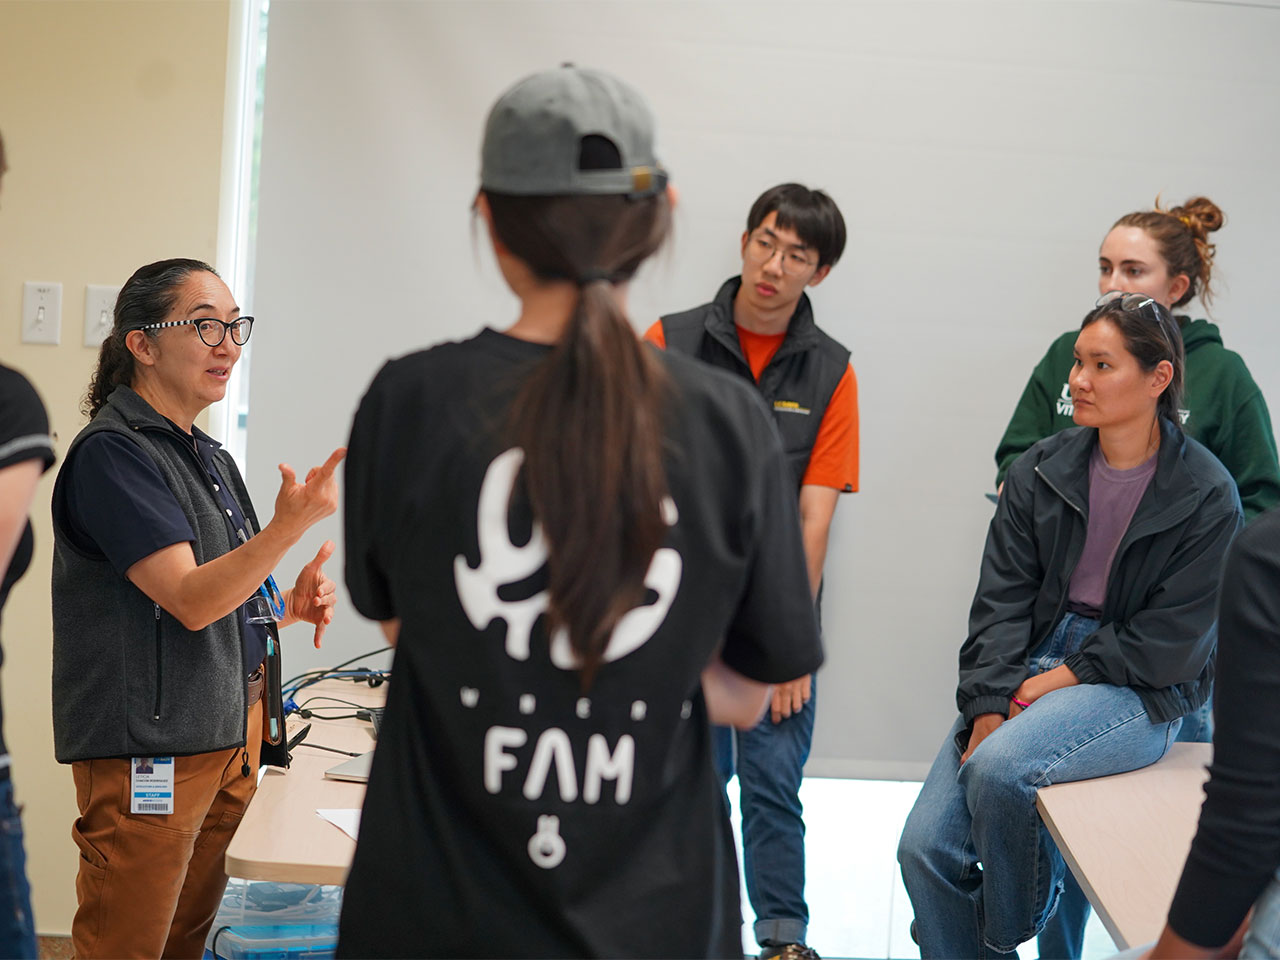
(789, 951)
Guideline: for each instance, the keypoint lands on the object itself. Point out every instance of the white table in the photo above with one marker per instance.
(1126, 837)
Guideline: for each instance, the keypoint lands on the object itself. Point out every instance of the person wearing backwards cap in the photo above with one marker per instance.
(588, 561)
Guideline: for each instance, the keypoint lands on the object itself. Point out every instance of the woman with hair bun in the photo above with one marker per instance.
(1166, 254)
(1090, 636)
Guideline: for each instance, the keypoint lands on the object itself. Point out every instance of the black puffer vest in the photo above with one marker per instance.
(799, 380)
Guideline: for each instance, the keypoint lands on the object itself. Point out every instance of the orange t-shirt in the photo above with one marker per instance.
(833, 462)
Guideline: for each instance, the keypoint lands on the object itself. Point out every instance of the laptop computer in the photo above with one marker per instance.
(356, 769)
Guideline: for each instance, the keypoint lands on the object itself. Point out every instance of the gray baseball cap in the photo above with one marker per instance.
(534, 135)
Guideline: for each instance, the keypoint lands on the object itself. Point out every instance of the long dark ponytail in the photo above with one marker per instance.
(147, 297)
(590, 418)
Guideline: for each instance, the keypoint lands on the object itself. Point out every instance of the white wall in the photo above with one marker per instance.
(979, 151)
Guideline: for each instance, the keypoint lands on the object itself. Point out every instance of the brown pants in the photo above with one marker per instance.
(150, 884)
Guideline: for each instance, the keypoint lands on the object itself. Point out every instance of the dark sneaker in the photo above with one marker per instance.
(790, 951)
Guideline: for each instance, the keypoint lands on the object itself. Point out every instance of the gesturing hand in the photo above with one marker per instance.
(313, 596)
(299, 505)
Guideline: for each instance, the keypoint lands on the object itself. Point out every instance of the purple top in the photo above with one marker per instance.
(1113, 500)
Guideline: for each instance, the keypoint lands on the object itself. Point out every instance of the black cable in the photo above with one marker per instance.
(345, 753)
(307, 673)
(308, 715)
(373, 678)
(345, 703)
(215, 940)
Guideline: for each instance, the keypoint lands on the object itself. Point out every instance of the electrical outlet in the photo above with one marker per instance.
(99, 305)
(41, 312)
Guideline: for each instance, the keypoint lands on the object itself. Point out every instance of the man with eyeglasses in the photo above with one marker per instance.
(760, 326)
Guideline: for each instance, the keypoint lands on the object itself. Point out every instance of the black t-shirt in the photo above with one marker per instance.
(24, 435)
(118, 506)
(509, 812)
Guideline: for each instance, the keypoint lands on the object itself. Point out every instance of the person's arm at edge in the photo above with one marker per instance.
(1237, 843)
(18, 483)
(390, 630)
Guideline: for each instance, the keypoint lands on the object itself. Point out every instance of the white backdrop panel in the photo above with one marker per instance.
(979, 151)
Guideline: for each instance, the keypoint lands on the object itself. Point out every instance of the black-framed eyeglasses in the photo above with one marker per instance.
(1137, 303)
(761, 249)
(211, 330)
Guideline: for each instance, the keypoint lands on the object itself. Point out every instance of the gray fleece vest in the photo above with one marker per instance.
(128, 678)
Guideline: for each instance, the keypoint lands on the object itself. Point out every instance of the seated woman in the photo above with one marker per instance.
(1090, 636)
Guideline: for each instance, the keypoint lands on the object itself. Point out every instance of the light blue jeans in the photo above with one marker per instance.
(1263, 938)
(982, 872)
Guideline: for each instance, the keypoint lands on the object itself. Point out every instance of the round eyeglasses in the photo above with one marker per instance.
(211, 330)
(761, 249)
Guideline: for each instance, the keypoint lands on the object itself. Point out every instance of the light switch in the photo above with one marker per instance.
(99, 304)
(41, 312)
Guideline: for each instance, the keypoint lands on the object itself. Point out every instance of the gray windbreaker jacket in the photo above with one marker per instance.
(1158, 629)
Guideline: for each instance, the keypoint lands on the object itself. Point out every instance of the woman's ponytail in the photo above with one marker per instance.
(590, 417)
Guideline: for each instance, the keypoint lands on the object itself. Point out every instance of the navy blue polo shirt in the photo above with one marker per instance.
(118, 506)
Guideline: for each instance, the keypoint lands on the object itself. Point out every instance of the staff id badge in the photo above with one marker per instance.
(151, 785)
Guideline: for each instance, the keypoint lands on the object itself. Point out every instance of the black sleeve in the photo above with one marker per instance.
(993, 656)
(773, 637)
(24, 426)
(365, 576)
(1237, 847)
(118, 504)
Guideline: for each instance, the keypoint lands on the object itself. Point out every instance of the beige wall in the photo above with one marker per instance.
(112, 119)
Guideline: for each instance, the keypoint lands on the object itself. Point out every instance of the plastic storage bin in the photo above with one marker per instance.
(275, 921)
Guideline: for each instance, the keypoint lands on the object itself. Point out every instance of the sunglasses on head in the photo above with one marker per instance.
(1138, 303)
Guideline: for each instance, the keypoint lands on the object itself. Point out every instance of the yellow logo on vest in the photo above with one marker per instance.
(790, 406)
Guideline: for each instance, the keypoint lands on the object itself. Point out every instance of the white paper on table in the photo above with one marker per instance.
(348, 821)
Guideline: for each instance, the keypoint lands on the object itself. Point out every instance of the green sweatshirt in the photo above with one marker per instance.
(1222, 408)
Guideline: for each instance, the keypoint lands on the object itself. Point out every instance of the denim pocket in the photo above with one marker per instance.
(1063, 640)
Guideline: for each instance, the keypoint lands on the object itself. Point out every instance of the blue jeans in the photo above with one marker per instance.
(1262, 942)
(769, 760)
(17, 928)
(982, 872)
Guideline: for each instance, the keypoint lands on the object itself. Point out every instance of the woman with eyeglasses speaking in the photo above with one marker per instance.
(1090, 634)
(165, 618)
